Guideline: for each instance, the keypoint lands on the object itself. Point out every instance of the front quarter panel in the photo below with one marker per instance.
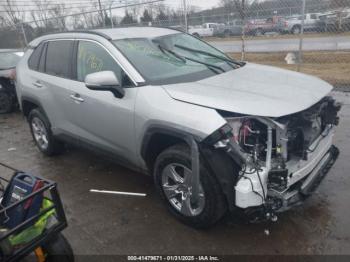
(154, 107)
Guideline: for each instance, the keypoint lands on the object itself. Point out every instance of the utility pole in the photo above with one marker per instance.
(24, 35)
(300, 54)
(185, 15)
(110, 13)
(102, 16)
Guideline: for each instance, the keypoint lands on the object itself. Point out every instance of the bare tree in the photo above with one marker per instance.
(59, 11)
(43, 14)
(91, 20)
(14, 15)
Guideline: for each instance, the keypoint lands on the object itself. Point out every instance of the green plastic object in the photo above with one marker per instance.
(35, 230)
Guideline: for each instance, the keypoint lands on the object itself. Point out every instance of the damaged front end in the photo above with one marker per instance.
(282, 160)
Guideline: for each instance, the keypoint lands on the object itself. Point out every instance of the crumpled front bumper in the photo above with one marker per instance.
(298, 193)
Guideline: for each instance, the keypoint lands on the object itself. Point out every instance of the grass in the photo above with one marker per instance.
(333, 67)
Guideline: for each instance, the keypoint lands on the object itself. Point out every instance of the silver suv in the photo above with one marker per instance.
(216, 134)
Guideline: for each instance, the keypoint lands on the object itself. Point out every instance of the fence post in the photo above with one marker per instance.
(300, 54)
(243, 18)
(185, 15)
(110, 13)
(24, 35)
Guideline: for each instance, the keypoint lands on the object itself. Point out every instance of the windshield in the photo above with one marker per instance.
(9, 59)
(163, 60)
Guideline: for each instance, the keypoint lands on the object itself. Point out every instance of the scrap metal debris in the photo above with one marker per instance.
(117, 192)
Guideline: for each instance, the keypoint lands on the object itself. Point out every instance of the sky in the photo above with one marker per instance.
(200, 4)
(175, 4)
(203, 4)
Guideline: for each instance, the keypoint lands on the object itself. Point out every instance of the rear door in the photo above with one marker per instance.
(54, 83)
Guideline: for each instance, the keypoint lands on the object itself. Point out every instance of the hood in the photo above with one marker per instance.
(254, 90)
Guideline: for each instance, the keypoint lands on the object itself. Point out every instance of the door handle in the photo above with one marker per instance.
(76, 97)
(38, 84)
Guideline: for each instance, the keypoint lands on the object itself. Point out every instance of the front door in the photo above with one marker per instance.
(100, 118)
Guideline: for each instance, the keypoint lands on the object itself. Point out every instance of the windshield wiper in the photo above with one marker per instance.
(184, 58)
(172, 52)
(229, 61)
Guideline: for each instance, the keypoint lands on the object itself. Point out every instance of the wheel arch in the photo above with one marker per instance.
(223, 167)
(157, 138)
(28, 104)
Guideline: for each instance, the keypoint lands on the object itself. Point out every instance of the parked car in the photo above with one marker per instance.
(335, 21)
(233, 28)
(204, 30)
(311, 23)
(258, 27)
(216, 134)
(8, 61)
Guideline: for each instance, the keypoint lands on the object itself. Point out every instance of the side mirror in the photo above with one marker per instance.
(104, 81)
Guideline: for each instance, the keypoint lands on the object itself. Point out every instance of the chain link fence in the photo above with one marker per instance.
(310, 36)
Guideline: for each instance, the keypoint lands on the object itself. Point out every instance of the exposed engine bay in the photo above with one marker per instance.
(283, 156)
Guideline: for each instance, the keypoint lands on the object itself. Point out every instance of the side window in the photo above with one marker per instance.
(313, 16)
(33, 62)
(94, 58)
(41, 67)
(59, 58)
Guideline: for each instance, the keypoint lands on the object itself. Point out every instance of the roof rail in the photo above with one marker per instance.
(85, 32)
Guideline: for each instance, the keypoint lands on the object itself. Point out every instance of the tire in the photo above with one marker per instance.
(296, 30)
(58, 250)
(212, 204)
(259, 32)
(6, 102)
(41, 132)
(196, 35)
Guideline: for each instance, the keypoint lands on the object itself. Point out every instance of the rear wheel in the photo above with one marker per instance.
(173, 175)
(41, 131)
(6, 102)
(196, 35)
(58, 250)
(227, 33)
(296, 30)
(259, 32)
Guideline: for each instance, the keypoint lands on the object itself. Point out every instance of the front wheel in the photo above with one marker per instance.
(58, 250)
(172, 175)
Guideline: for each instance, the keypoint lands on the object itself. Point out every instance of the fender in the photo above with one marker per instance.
(165, 130)
(219, 163)
(33, 101)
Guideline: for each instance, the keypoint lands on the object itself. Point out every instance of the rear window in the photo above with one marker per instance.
(33, 62)
(59, 58)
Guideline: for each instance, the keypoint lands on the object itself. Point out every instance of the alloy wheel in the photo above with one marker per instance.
(40, 133)
(176, 184)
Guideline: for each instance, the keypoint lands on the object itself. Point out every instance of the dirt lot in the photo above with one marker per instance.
(109, 224)
(330, 66)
